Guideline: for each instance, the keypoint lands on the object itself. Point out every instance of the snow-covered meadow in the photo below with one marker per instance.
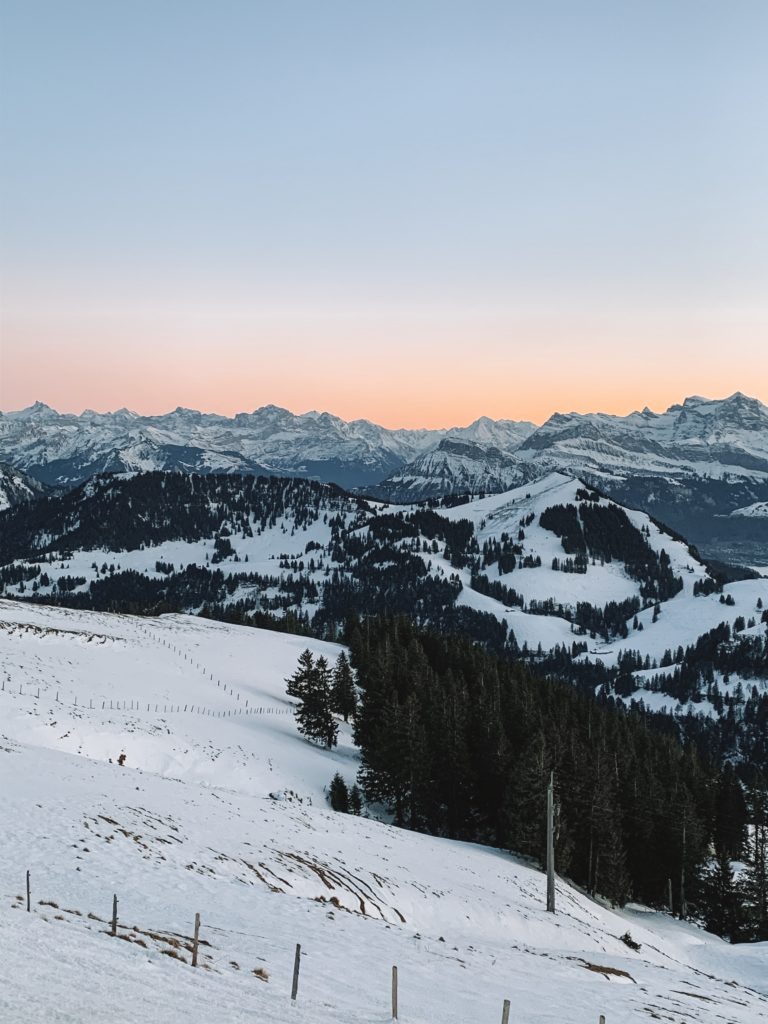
(221, 810)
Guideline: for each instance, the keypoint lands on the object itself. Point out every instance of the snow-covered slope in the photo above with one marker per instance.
(758, 510)
(220, 810)
(521, 509)
(16, 487)
(700, 437)
(456, 466)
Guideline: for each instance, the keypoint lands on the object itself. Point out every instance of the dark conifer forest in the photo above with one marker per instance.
(459, 743)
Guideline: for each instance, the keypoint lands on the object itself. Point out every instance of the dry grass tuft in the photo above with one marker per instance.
(174, 954)
(607, 971)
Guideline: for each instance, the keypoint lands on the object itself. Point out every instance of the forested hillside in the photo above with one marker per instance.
(552, 574)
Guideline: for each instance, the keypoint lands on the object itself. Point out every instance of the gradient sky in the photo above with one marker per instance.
(416, 212)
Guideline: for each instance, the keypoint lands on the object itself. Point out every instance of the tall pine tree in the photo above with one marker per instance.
(314, 714)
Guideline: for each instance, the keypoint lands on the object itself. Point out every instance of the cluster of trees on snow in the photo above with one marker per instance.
(605, 533)
(322, 693)
(119, 513)
(459, 743)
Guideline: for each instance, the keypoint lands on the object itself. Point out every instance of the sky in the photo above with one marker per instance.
(417, 212)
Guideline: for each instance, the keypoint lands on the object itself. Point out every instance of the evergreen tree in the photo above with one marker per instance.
(730, 824)
(314, 716)
(722, 911)
(299, 682)
(338, 794)
(343, 688)
(355, 800)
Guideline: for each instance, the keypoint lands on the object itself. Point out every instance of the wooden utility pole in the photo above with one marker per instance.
(29, 901)
(669, 895)
(551, 844)
(296, 965)
(394, 993)
(505, 1012)
(114, 915)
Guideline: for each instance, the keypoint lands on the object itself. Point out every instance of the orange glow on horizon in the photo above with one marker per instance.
(423, 374)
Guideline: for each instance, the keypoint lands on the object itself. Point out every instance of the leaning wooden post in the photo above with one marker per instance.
(296, 962)
(29, 901)
(114, 915)
(394, 993)
(195, 940)
(505, 1012)
(551, 844)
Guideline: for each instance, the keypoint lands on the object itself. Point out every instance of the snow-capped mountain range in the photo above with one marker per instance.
(63, 449)
(700, 437)
(691, 466)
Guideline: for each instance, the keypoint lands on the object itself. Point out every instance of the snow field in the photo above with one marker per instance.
(227, 817)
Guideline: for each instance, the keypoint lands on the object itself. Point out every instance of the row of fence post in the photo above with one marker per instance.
(116, 705)
(296, 962)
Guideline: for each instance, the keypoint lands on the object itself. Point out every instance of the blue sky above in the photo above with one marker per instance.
(423, 163)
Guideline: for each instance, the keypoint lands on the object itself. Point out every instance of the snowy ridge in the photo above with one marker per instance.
(702, 437)
(455, 466)
(758, 510)
(226, 816)
(66, 449)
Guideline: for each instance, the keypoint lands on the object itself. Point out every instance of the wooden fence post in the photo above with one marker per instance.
(505, 1012)
(29, 901)
(296, 963)
(114, 914)
(602, 1019)
(394, 993)
(195, 940)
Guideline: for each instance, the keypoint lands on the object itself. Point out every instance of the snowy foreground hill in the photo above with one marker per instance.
(220, 810)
